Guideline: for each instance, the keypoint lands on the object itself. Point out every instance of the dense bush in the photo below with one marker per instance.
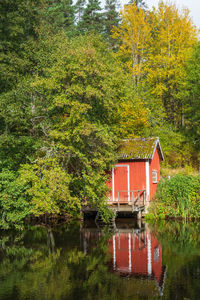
(14, 204)
(177, 197)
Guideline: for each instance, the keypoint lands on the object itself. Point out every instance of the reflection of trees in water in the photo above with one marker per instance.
(46, 263)
(181, 252)
(45, 271)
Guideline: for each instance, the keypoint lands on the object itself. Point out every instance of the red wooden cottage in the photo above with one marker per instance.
(137, 171)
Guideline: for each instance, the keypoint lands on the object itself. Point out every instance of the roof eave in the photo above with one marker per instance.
(161, 153)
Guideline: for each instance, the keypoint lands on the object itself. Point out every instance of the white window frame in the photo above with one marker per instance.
(155, 176)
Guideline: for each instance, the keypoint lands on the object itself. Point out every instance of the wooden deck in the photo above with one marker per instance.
(132, 202)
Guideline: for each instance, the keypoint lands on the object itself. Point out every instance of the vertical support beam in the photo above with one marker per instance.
(139, 198)
(133, 206)
(84, 244)
(147, 181)
(118, 201)
(139, 215)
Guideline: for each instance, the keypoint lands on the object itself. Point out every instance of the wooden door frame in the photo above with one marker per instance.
(113, 180)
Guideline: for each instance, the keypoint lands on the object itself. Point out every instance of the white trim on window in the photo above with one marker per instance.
(155, 176)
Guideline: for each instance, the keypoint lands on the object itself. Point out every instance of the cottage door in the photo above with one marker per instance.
(121, 183)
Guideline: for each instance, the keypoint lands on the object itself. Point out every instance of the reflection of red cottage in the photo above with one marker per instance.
(138, 169)
(137, 255)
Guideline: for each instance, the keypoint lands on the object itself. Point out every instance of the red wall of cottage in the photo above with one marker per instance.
(154, 165)
(137, 169)
(137, 173)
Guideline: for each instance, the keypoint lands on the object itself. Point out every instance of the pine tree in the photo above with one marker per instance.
(79, 8)
(19, 20)
(111, 17)
(61, 15)
(92, 19)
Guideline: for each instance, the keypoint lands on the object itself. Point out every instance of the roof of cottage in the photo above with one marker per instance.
(140, 148)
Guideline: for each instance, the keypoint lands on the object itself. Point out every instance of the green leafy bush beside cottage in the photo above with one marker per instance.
(177, 197)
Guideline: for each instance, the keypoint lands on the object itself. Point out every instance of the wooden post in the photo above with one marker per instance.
(139, 199)
(118, 201)
(139, 215)
(144, 198)
(133, 201)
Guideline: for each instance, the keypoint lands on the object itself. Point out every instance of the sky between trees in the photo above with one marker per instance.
(192, 5)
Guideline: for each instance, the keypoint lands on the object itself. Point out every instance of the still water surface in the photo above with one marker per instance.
(83, 261)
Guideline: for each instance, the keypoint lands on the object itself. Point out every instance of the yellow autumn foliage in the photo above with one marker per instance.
(154, 47)
(134, 37)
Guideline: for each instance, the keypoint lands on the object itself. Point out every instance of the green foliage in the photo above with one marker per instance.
(177, 197)
(60, 15)
(111, 18)
(68, 111)
(79, 9)
(154, 50)
(92, 19)
(82, 90)
(192, 98)
(14, 204)
(49, 188)
(18, 24)
(66, 102)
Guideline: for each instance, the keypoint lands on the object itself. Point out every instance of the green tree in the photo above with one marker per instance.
(69, 110)
(111, 17)
(92, 19)
(79, 7)
(192, 99)
(19, 20)
(60, 15)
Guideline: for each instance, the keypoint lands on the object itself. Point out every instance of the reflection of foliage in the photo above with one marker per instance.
(46, 278)
(180, 251)
(178, 236)
(45, 263)
(90, 273)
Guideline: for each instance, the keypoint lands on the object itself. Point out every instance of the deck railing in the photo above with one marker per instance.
(134, 198)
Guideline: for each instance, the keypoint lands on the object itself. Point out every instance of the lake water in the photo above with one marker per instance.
(84, 261)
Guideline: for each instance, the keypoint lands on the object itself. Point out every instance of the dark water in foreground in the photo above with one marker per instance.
(135, 261)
